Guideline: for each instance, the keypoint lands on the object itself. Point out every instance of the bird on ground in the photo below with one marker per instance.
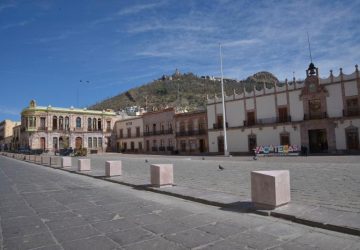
(146, 160)
(203, 158)
(221, 168)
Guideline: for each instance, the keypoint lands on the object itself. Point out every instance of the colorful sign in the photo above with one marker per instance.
(270, 150)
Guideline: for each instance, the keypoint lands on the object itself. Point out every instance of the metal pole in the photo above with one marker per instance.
(226, 153)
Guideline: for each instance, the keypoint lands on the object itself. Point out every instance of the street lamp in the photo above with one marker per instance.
(226, 153)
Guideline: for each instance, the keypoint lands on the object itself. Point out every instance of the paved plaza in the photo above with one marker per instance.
(45, 208)
(327, 181)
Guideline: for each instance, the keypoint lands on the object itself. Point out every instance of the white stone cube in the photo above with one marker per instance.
(113, 168)
(84, 165)
(161, 175)
(270, 189)
(66, 162)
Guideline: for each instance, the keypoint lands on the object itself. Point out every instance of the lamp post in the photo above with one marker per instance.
(226, 153)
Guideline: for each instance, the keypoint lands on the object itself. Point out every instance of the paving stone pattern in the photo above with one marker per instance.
(327, 181)
(44, 208)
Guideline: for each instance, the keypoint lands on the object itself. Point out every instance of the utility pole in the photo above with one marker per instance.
(226, 153)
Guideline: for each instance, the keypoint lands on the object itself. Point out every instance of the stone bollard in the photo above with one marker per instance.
(113, 168)
(161, 175)
(270, 189)
(38, 159)
(27, 158)
(54, 161)
(45, 160)
(84, 165)
(66, 162)
(32, 158)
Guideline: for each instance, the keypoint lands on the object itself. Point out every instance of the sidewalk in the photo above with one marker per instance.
(316, 216)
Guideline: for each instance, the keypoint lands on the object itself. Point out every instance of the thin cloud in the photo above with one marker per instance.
(139, 8)
(18, 24)
(7, 6)
(9, 111)
(242, 42)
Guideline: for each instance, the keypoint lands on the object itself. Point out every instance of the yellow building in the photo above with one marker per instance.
(51, 128)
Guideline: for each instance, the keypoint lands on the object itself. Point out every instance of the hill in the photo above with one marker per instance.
(184, 91)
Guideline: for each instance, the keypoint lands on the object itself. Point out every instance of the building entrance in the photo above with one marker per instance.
(318, 141)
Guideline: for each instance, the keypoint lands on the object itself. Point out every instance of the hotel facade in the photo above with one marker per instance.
(51, 128)
(322, 115)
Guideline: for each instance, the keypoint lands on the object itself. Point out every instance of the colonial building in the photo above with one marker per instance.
(159, 132)
(191, 132)
(51, 128)
(6, 133)
(322, 115)
(129, 135)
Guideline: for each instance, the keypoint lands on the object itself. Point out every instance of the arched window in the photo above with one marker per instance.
(55, 125)
(67, 123)
(61, 123)
(94, 123)
(99, 124)
(78, 122)
(89, 124)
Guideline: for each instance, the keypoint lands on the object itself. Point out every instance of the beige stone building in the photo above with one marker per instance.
(322, 115)
(51, 128)
(129, 135)
(191, 132)
(159, 132)
(6, 133)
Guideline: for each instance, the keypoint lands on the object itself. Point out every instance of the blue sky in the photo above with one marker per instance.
(47, 47)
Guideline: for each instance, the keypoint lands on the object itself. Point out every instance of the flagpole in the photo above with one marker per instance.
(226, 153)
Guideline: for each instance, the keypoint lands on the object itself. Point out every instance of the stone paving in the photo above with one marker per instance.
(44, 208)
(328, 181)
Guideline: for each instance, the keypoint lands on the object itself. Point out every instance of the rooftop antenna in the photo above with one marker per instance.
(309, 46)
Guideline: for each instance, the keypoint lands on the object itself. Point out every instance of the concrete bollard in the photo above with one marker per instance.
(55, 161)
(45, 160)
(66, 162)
(38, 159)
(27, 158)
(113, 168)
(270, 189)
(32, 158)
(161, 175)
(84, 165)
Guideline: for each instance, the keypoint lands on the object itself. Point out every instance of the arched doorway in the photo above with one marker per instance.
(42, 143)
(78, 142)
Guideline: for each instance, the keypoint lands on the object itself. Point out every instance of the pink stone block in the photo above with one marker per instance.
(27, 158)
(46, 160)
(270, 189)
(66, 162)
(38, 159)
(161, 175)
(84, 165)
(55, 160)
(32, 158)
(113, 168)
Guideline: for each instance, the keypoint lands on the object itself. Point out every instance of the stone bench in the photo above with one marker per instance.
(84, 165)
(270, 189)
(113, 168)
(161, 175)
(66, 162)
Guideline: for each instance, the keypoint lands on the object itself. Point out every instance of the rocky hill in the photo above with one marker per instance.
(184, 91)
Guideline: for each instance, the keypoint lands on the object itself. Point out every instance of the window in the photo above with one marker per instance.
(137, 131)
(252, 142)
(250, 115)
(140, 146)
(121, 133)
(95, 142)
(55, 122)
(99, 124)
(170, 127)
(284, 139)
(108, 125)
(42, 122)
(100, 143)
(162, 128)
(55, 143)
(283, 114)
(352, 138)
(89, 124)
(352, 107)
(190, 125)
(78, 122)
(154, 128)
(61, 123)
(89, 142)
(162, 143)
(129, 132)
(147, 129)
(94, 124)
(182, 127)
(67, 123)
(219, 121)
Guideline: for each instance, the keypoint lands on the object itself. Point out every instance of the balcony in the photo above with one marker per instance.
(219, 125)
(163, 132)
(315, 116)
(264, 121)
(191, 133)
(351, 112)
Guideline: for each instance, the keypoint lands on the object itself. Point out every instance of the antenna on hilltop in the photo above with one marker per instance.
(309, 45)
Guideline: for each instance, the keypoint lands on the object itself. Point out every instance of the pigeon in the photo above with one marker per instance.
(203, 158)
(221, 168)
(146, 160)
